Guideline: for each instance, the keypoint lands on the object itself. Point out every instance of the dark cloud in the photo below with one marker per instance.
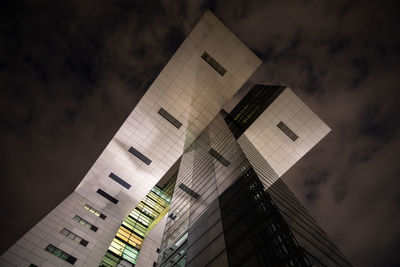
(71, 72)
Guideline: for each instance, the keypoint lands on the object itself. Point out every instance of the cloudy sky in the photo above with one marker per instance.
(71, 72)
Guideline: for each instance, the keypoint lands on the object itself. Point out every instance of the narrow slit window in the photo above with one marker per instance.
(74, 237)
(213, 63)
(140, 156)
(166, 115)
(60, 254)
(219, 157)
(107, 196)
(189, 191)
(95, 212)
(281, 125)
(119, 180)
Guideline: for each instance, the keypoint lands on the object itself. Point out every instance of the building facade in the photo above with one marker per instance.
(229, 206)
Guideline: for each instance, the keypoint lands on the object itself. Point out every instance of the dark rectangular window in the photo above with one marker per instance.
(287, 131)
(74, 237)
(32, 265)
(85, 223)
(219, 157)
(107, 196)
(170, 118)
(60, 254)
(119, 180)
(140, 156)
(189, 191)
(213, 63)
(95, 212)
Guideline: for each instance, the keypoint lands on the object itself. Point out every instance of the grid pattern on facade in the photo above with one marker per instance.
(281, 125)
(128, 240)
(165, 114)
(119, 180)
(189, 191)
(255, 232)
(213, 63)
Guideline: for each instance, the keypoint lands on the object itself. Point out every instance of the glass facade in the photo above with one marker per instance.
(125, 247)
(233, 209)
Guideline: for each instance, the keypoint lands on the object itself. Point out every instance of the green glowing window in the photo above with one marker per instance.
(60, 254)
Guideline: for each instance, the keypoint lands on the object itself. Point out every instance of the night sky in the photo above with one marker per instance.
(71, 72)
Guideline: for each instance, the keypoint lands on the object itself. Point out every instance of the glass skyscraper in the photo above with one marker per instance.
(230, 208)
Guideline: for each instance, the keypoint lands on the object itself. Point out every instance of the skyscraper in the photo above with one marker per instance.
(224, 167)
(230, 207)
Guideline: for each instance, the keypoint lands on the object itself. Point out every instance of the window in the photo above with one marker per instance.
(119, 180)
(287, 131)
(189, 191)
(170, 118)
(107, 196)
(85, 223)
(61, 254)
(95, 212)
(74, 237)
(213, 63)
(140, 156)
(219, 157)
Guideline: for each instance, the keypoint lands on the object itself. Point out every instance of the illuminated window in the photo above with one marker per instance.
(95, 212)
(60, 254)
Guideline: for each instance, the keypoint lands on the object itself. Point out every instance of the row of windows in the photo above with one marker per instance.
(85, 223)
(61, 254)
(95, 212)
(128, 240)
(74, 237)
